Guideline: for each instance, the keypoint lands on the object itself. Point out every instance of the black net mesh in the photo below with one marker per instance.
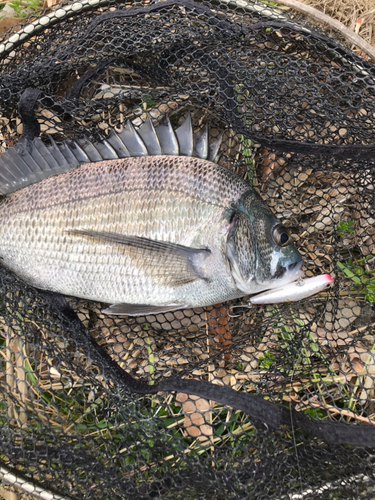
(271, 401)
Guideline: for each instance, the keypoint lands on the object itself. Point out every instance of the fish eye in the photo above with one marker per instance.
(281, 236)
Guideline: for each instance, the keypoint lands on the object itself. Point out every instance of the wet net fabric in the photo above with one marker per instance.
(226, 401)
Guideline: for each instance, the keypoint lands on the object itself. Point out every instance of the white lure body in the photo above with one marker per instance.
(295, 291)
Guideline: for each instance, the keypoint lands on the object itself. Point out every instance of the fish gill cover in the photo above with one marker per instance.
(223, 401)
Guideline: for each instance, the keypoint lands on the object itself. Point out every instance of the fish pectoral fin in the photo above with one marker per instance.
(141, 309)
(170, 264)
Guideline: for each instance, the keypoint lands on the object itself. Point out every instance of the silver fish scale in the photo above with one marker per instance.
(175, 199)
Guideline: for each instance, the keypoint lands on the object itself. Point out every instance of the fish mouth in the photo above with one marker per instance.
(295, 267)
(284, 276)
(293, 272)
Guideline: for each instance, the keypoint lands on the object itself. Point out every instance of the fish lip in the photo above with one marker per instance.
(295, 273)
(295, 267)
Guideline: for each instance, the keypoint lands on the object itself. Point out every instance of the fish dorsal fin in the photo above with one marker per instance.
(150, 138)
(213, 149)
(133, 141)
(167, 138)
(185, 137)
(117, 144)
(201, 143)
(33, 160)
(90, 149)
(107, 152)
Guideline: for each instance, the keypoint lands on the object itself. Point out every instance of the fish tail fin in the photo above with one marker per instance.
(32, 160)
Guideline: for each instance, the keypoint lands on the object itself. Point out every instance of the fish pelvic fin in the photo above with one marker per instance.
(33, 160)
(141, 309)
(166, 264)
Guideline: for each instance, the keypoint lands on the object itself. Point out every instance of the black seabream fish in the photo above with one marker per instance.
(144, 220)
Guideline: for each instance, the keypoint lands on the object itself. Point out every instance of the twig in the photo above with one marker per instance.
(336, 25)
(331, 409)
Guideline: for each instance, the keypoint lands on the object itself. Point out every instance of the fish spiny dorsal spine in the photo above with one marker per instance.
(32, 160)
